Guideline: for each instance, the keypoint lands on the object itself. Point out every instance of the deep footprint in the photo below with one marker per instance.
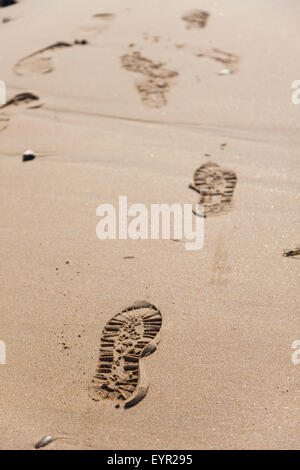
(126, 338)
(41, 61)
(215, 186)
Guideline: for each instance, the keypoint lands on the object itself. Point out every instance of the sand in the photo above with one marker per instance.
(222, 376)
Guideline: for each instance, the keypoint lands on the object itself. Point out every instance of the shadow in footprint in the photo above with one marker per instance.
(27, 100)
(215, 185)
(23, 98)
(127, 337)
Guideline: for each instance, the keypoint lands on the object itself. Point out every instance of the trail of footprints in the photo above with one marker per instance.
(134, 332)
(126, 338)
(42, 62)
(215, 185)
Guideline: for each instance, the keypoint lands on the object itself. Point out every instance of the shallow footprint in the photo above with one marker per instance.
(196, 18)
(98, 24)
(156, 80)
(215, 186)
(229, 60)
(153, 91)
(41, 61)
(126, 338)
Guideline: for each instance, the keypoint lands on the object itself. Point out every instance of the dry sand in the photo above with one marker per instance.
(222, 376)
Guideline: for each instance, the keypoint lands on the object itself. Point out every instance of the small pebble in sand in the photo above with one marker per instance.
(28, 155)
(44, 442)
(225, 72)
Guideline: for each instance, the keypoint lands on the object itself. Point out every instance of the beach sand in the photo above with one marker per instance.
(222, 376)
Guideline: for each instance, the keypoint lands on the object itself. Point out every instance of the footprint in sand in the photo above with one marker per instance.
(42, 61)
(27, 100)
(196, 18)
(215, 186)
(126, 338)
(155, 81)
(229, 60)
(98, 23)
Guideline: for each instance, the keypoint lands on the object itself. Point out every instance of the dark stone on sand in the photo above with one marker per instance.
(28, 155)
(81, 42)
